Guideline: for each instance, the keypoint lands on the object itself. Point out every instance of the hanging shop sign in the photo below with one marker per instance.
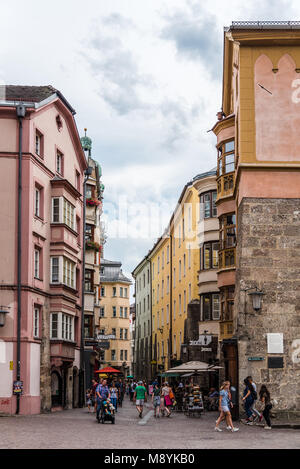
(203, 340)
(106, 337)
(103, 345)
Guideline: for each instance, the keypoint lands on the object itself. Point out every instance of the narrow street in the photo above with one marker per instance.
(77, 429)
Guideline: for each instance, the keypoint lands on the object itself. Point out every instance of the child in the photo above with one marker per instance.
(88, 399)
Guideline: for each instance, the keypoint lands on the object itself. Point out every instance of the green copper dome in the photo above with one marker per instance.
(86, 142)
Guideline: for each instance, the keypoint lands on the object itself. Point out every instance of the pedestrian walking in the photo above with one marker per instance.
(93, 394)
(89, 401)
(165, 393)
(140, 396)
(264, 396)
(156, 400)
(102, 393)
(224, 408)
(114, 396)
(256, 414)
(248, 399)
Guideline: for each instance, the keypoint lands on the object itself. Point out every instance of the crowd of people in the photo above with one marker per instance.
(165, 398)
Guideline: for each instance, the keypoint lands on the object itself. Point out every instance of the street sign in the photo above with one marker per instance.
(255, 359)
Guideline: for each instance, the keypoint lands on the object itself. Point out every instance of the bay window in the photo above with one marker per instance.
(63, 212)
(62, 326)
(226, 158)
(210, 306)
(208, 207)
(209, 256)
(68, 272)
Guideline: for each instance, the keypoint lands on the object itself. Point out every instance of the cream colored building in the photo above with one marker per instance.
(114, 316)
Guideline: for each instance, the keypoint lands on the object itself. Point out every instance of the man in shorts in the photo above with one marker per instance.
(140, 396)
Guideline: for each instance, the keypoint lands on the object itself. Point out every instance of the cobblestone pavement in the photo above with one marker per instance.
(78, 429)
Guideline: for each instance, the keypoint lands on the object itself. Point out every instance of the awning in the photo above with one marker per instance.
(193, 367)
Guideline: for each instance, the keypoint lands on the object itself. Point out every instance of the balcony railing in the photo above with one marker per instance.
(227, 258)
(226, 330)
(225, 185)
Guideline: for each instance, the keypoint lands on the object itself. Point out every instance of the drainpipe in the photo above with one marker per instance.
(87, 173)
(21, 111)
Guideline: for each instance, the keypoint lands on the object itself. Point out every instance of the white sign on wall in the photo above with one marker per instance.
(275, 343)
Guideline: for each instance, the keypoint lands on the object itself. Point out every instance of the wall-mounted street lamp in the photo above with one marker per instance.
(4, 310)
(256, 299)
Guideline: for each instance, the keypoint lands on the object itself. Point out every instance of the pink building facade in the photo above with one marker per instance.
(53, 165)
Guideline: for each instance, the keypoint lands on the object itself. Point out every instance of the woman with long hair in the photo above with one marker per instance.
(224, 404)
(165, 394)
(248, 398)
(264, 396)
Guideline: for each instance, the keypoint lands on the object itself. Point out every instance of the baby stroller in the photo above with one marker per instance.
(107, 412)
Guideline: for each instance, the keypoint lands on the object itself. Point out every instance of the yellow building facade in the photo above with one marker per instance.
(114, 317)
(175, 262)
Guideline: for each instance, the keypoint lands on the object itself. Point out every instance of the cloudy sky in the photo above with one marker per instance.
(145, 78)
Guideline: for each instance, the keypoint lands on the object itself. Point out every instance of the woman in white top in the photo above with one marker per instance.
(166, 398)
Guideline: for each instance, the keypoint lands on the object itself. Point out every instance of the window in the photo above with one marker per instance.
(54, 326)
(54, 278)
(125, 292)
(168, 315)
(68, 272)
(89, 191)
(37, 263)
(208, 208)
(184, 301)
(190, 292)
(144, 280)
(162, 317)
(62, 326)
(114, 331)
(126, 334)
(36, 323)
(121, 355)
(174, 310)
(114, 291)
(158, 261)
(37, 202)
(174, 277)
(89, 232)
(210, 306)
(226, 160)
(88, 280)
(125, 312)
(148, 276)
(126, 355)
(121, 292)
(88, 326)
(210, 256)
(168, 284)
(184, 271)
(227, 231)
(68, 214)
(39, 143)
(121, 311)
(121, 333)
(179, 274)
(77, 179)
(168, 254)
(180, 304)
(162, 288)
(113, 355)
(59, 163)
(189, 256)
(55, 210)
(114, 312)
(227, 303)
(163, 260)
(102, 291)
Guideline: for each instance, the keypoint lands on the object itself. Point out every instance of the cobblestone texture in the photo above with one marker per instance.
(77, 429)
